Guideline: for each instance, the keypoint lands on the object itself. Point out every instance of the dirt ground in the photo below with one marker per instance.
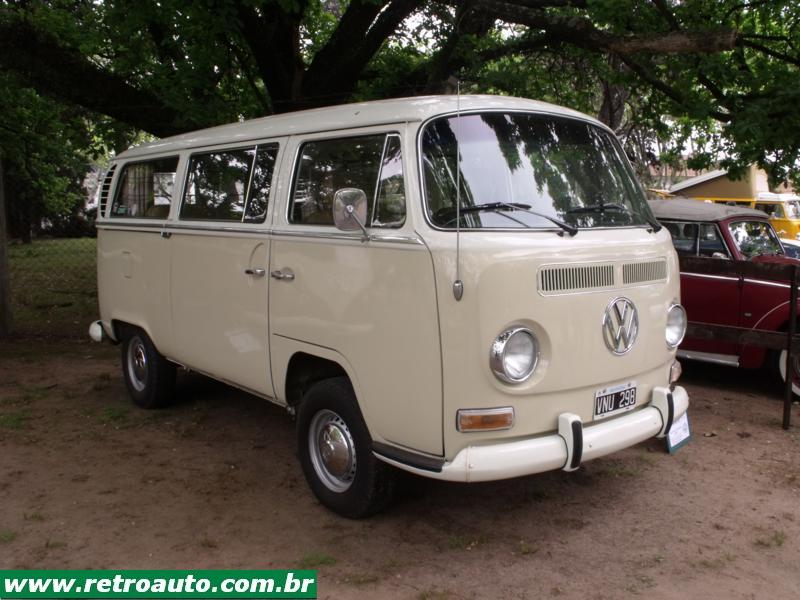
(87, 482)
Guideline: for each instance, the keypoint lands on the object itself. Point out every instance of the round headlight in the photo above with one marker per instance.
(514, 355)
(676, 325)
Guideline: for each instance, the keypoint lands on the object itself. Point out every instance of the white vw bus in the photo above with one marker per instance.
(468, 288)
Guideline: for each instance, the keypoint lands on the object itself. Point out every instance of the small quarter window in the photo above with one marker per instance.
(390, 201)
(372, 163)
(261, 184)
(145, 189)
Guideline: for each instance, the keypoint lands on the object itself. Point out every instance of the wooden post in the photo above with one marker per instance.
(5, 291)
(787, 400)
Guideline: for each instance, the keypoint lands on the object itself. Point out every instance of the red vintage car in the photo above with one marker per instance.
(729, 233)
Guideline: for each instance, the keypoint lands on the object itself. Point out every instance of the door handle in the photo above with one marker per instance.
(286, 275)
(255, 272)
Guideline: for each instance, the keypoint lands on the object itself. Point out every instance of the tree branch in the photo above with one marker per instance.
(64, 74)
(361, 32)
(453, 55)
(769, 52)
(670, 92)
(273, 39)
(581, 32)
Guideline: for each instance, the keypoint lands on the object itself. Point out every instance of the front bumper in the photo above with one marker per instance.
(573, 444)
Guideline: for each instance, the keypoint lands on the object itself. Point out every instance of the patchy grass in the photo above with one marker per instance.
(33, 393)
(34, 516)
(525, 548)
(774, 540)
(53, 286)
(651, 561)
(361, 579)
(115, 415)
(434, 594)
(316, 559)
(624, 468)
(7, 536)
(571, 523)
(640, 583)
(465, 542)
(16, 421)
(718, 562)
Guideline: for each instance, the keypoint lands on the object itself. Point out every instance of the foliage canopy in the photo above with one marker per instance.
(721, 73)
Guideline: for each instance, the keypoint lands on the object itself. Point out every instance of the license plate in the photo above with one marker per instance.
(614, 400)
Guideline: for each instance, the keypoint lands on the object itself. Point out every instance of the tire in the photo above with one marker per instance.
(149, 377)
(344, 474)
(779, 366)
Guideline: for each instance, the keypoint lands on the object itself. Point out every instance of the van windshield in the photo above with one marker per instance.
(514, 165)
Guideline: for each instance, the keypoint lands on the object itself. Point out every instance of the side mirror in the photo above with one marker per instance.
(721, 255)
(350, 210)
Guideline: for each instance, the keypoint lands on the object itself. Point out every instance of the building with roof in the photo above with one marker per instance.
(718, 184)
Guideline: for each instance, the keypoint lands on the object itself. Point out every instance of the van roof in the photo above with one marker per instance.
(345, 116)
(685, 209)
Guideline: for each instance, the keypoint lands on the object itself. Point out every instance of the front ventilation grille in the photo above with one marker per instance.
(643, 272)
(105, 189)
(575, 278)
(554, 280)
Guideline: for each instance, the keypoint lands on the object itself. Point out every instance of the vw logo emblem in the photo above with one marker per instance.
(620, 325)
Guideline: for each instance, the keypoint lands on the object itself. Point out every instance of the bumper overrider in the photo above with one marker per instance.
(574, 444)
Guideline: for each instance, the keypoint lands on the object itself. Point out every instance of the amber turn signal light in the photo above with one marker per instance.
(485, 419)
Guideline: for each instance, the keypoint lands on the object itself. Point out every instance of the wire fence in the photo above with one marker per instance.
(52, 275)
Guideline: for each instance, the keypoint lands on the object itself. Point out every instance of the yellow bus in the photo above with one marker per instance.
(783, 210)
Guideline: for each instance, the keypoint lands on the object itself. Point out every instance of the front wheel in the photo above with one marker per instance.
(335, 451)
(780, 366)
(149, 377)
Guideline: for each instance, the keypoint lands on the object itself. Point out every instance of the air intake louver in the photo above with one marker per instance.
(105, 188)
(561, 279)
(641, 272)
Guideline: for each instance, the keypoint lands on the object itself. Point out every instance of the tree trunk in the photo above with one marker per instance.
(615, 96)
(5, 290)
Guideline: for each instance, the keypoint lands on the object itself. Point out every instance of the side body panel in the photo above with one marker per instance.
(713, 299)
(372, 303)
(133, 280)
(219, 312)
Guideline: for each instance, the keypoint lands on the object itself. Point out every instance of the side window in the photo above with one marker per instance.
(230, 185)
(145, 189)
(372, 163)
(710, 241)
(684, 237)
(773, 210)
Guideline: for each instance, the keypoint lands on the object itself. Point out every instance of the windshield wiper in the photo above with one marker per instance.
(612, 207)
(496, 206)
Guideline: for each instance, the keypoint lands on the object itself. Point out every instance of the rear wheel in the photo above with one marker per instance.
(335, 451)
(780, 368)
(149, 377)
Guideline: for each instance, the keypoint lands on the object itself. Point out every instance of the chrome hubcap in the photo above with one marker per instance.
(137, 363)
(332, 450)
